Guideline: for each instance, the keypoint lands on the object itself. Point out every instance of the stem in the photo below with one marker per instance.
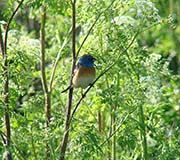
(116, 130)
(48, 117)
(70, 95)
(47, 94)
(6, 82)
(1, 42)
(143, 132)
(6, 108)
(100, 122)
(42, 41)
(110, 128)
(113, 119)
(7, 28)
(56, 63)
(32, 143)
(6, 98)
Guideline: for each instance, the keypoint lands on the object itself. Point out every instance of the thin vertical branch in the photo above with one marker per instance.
(70, 95)
(32, 143)
(47, 93)
(6, 105)
(6, 82)
(100, 122)
(1, 42)
(117, 129)
(42, 41)
(143, 132)
(7, 27)
(56, 63)
(113, 120)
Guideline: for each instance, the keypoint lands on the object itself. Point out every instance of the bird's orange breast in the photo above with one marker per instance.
(84, 76)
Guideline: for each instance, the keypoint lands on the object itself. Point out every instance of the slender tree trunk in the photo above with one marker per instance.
(6, 109)
(47, 92)
(70, 94)
(6, 83)
(48, 117)
(6, 98)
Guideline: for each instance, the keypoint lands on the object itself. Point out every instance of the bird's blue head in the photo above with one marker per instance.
(86, 60)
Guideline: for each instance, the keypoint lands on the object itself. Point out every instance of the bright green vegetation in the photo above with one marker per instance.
(133, 110)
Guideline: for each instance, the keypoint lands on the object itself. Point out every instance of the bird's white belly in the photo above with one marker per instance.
(83, 82)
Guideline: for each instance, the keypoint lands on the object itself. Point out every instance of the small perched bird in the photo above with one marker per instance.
(84, 73)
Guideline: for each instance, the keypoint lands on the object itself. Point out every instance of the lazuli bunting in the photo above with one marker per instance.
(84, 73)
